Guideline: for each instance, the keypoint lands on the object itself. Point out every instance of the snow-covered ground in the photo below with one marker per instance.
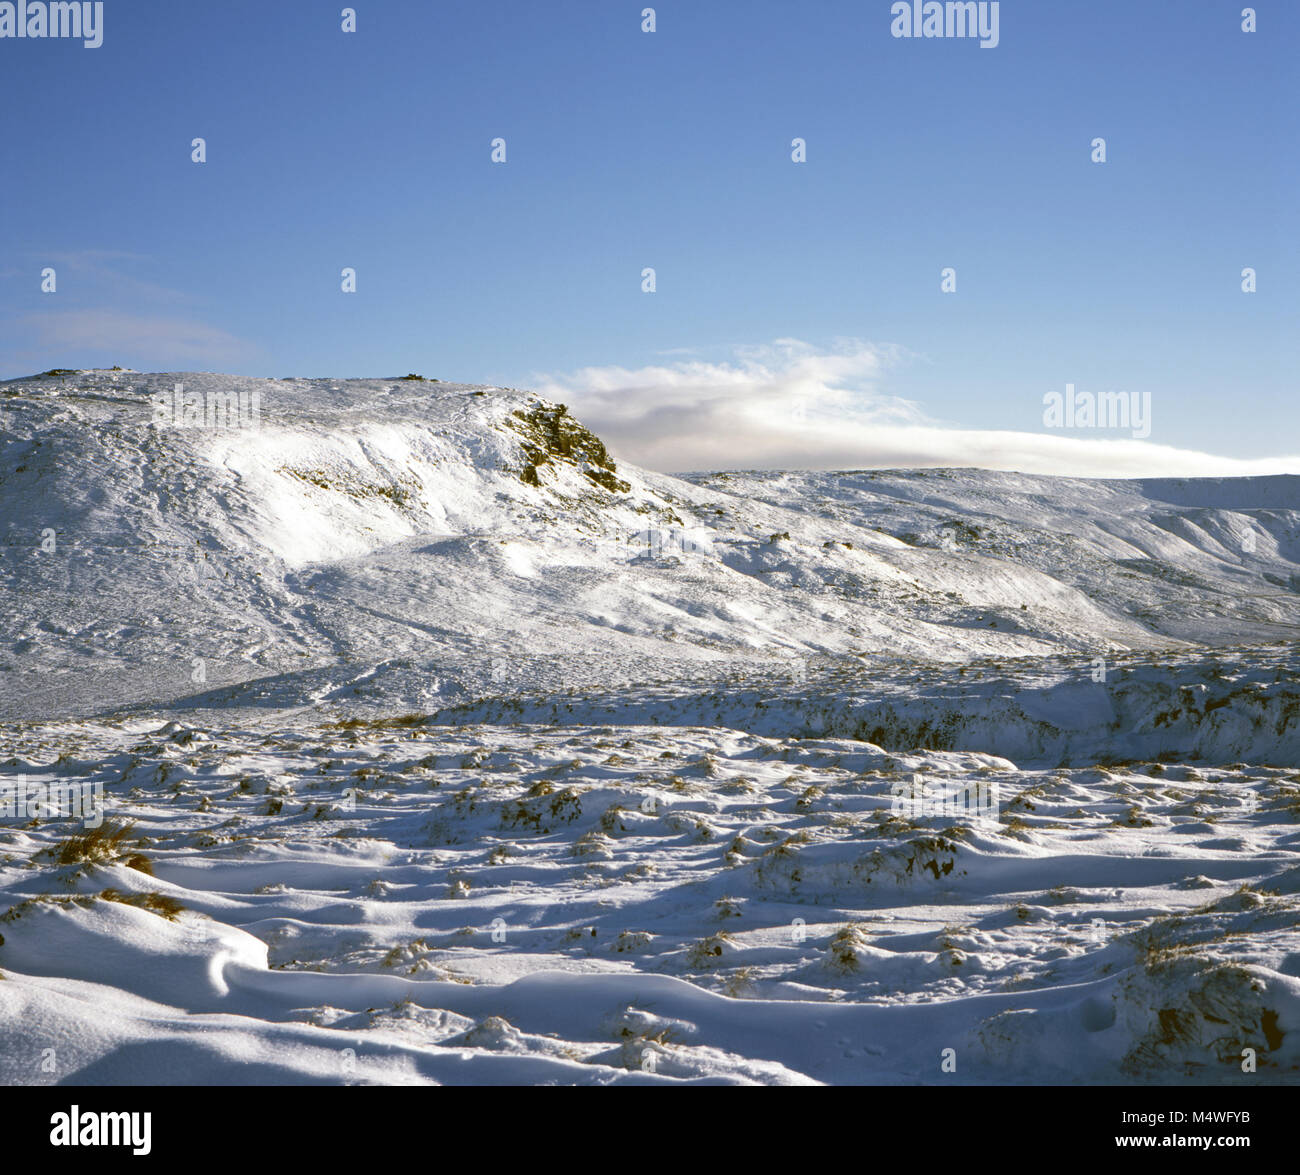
(435, 744)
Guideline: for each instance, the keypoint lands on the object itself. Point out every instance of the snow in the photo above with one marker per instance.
(438, 775)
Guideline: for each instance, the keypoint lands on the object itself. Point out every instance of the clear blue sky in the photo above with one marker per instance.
(670, 150)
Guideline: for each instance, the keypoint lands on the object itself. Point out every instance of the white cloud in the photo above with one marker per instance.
(788, 405)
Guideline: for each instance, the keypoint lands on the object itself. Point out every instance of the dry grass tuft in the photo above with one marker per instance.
(155, 903)
(95, 846)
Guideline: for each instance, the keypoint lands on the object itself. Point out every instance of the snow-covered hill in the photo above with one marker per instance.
(359, 523)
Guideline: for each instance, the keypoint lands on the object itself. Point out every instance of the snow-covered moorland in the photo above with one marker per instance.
(436, 745)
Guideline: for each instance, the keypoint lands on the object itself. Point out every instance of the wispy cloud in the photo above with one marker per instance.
(790, 405)
(150, 342)
(105, 313)
(106, 273)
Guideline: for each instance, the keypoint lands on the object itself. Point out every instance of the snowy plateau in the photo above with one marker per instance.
(434, 744)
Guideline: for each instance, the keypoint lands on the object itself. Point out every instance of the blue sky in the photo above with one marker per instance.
(814, 283)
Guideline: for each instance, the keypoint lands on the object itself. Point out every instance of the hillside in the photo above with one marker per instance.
(446, 529)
